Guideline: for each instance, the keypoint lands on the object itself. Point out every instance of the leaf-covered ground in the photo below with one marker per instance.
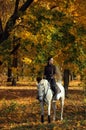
(20, 110)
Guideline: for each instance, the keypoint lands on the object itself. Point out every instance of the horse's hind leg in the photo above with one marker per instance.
(49, 109)
(54, 110)
(42, 118)
(42, 111)
(62, 105)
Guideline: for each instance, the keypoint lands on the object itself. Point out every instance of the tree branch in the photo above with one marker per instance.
(26, 5)
(16, 6)
(16, 47)
(12, 20)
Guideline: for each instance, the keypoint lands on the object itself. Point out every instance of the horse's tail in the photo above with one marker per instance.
(62, 90)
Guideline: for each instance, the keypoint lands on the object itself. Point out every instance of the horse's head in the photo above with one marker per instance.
(42, 86)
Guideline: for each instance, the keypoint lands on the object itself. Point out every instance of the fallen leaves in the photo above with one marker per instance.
(19, 109)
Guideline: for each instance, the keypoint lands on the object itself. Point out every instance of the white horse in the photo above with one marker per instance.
(46, 95)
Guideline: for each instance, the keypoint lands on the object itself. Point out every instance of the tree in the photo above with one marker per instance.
(10, 23)
(12, 19)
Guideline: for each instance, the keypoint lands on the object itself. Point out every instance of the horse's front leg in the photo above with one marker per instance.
(54, 111)
(49, 109)
(42, 111)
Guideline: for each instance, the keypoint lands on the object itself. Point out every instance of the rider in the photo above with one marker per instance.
(49, 74)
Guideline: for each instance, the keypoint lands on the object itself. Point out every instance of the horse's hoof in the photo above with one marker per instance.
(42, 118)
(54, 119)
(49, 119)
(61, 118)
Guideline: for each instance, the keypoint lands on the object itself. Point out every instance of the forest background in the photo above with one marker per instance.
(30, 31)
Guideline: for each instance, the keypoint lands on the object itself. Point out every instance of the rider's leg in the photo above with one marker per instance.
(53, 86)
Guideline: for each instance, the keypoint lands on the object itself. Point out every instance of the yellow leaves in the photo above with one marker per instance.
(80, 11)
(85, 100)
(38, 38)
(26, 60)
(14, 71)
(28, 35)
(57, 128)
(37, 67)
(45, 33)
(78, 124)
(35, 0)
(48, 28)
(81, 58)
(72, 8)
(25, 34)
(73, 67)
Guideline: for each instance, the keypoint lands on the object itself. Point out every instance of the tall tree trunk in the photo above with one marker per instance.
(9, 74)
(14, 65)
(14, 61)
(66, 81)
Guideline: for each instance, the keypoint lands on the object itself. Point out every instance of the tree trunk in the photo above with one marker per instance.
(14, 81)
(14, 62)
(9, 75)
(5, 33)
(66, 80)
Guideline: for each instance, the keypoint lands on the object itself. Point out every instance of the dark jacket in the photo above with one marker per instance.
(49, 71)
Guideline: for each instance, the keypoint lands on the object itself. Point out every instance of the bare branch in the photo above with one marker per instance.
(25, 6)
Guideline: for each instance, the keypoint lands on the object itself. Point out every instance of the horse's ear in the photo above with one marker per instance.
(38, 79)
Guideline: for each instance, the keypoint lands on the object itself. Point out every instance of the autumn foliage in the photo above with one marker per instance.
(30, 31)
